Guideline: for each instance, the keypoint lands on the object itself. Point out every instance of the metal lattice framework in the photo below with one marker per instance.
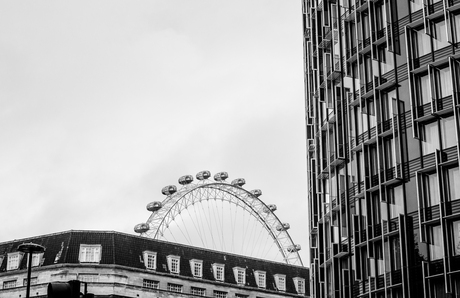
(177, 201)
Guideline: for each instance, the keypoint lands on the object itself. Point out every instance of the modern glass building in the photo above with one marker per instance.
(382, 85)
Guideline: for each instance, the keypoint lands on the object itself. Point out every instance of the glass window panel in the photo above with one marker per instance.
(430, 190)
(456, 237)
(445, 82)
(452, 183)
(436, 245)
(430, 138)
(440, 36)
(423, 43)
(448, 132)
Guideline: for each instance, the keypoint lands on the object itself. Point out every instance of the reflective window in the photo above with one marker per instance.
(435, 242)
(430, 189)
(456, 237)
(422, 43)
(423, 90)
(439, 32)
(448, 138)
(452, 183)
(430, 138)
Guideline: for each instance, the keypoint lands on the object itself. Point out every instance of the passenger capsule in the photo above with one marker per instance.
(256, 192)
(141, 228)
(294, 248)
(203, 175)
(154, 206)
(270, 208)
(221, 176)
(283, 227)
(239, 182)
(169, 190)
(187, 179)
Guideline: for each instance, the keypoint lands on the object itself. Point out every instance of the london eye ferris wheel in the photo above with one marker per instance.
(218, 215)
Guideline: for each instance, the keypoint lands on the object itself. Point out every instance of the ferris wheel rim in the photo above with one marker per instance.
(281, 238)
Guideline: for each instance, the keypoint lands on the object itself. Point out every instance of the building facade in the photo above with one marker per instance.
(114, 264)
(382, 85)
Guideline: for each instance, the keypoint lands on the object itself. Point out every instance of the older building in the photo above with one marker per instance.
(121, 265)
(382, 81)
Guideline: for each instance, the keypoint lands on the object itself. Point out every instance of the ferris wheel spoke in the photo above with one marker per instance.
(245, 223)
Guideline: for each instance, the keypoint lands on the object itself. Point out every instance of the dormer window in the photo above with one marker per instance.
(218, 270)
(150, 259)
(299, 284)
(90, 253)
(196, 267)
(261, 279)
(36, 259)
(240, 275)
(174, 264)
(13, 260)
(280, 281)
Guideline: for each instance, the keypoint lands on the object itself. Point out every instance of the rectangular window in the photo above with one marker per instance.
(174, 264)
(260, 278)
(456, 237)
(13, 260)
(299, 284)
(1, 260)
(90, 253)
(174, 288)
(452, 183)
(36, 259)
(198, 291)
(33, 281)
(423, 93)
(430, 138)
(197, 267)
(240, 275)
(448, 132)
(396, 253)
(151, 284)
(219, 294)
(9, 284)
(280, 281)
(435, 243)
(430, 189)
(218, 270)
(241, 295)
(88, 277)
(150, 260)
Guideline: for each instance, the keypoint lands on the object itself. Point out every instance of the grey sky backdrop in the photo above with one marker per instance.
(102, 103)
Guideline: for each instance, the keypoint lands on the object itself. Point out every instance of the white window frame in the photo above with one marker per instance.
(240, 275)
(198, 291)
(197, 267)
(173, 264)
(176, 288)
(280, 281)
(14, 260)
(36, 259)
(218, 271)
(219, 294)
(261, 278)
(9, 284)
(150, 259)
(299, 284)
(150, 284)
(90, 253)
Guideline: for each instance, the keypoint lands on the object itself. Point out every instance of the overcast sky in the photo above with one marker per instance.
(102, 103)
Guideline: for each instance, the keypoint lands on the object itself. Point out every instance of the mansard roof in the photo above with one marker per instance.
(126, 250)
